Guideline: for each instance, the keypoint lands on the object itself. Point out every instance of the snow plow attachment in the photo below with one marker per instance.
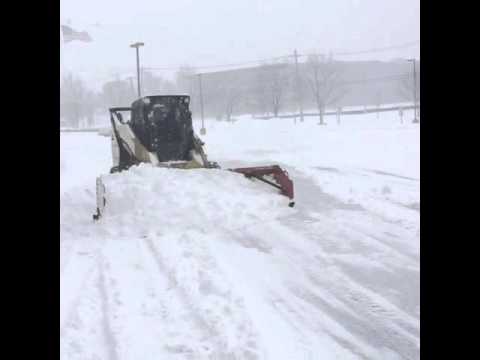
(272, 175)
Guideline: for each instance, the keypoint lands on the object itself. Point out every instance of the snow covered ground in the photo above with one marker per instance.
(205, 264)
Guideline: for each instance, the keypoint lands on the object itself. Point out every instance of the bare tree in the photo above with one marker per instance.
(155, 84)
(151, 84)
(224, 96)
(273, 84)
(257, 96)
(254, 101)
(231, 100)
(90, 105)
(118, 93)
(324, 82)
(186, 84)
(72, 97)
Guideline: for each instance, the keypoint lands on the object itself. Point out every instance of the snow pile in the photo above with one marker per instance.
(150, 198)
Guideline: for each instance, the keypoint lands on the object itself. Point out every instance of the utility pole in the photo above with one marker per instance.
(203, 131)
(137, 46)
(297, 81)
(415, 120)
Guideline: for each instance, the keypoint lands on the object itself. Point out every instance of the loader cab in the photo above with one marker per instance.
(163, 124)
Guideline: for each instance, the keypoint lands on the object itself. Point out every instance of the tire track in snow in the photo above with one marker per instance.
(78, 249)
(81, 338)
(314, 318)
(110, 340)
(382, 324)
(71, 307)
(214, 305)
(378, 323)
(141, 297)
(173, 284)
(369, 308)
(74, 280)
(372, 307)
(286, 297)
(394, 247)
(87, 332)
(264, 283)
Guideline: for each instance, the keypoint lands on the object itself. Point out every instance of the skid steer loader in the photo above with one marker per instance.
(158, 130)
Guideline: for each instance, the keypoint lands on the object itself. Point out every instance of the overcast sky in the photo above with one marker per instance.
(207, 32)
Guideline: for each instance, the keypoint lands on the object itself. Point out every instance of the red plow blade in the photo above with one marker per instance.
(272, 175)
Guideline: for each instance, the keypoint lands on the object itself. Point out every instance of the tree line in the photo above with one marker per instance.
(271, 88)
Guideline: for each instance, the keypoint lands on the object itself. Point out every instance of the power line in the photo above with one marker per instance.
(218, 65)
(375, 50)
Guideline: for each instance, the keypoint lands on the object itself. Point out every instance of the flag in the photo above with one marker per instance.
(71, 35)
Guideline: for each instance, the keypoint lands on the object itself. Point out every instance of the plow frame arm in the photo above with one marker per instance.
(281, 177)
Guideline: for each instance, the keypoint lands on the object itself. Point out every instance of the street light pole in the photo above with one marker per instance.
(415, 120)
(137, 46)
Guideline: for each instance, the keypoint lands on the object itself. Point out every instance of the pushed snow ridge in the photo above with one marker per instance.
(201, 199)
